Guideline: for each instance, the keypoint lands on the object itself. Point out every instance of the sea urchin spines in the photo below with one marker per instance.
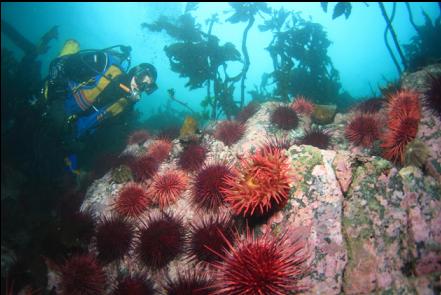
(276, 142)
(209, 236)
(247, 112)
(82, 274)
(160, 149)
(260, 183)
(316, 137)
(404, 103)
(302, 106)
(132, 200)
(135, 285)
(285, 118)
(138, 137)
(160, 240)
(144, 168)
(400, 133)
(370, 106)
(433, 95)
(229, 132)
(267, 265)
(166, 188)
(207, 186)
(404, 114)
(363, 130)
(113, 238)
(194, 282)
(192, 157)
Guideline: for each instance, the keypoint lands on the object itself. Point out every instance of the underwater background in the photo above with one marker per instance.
(312, 133)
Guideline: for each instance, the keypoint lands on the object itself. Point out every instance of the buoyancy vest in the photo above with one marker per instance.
(83, 95)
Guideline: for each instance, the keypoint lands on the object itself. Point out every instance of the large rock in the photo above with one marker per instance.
(371, 227)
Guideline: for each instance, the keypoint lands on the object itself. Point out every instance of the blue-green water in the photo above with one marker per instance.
(199, 54)
(357, 50)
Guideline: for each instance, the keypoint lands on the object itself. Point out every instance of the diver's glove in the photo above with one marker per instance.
(135, 96)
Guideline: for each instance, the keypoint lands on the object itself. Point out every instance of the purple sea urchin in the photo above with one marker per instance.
(316, 137)
(209, 236)
(82, 274)
(285, 118)
(160, 240)
(192, 157)
(189, 283)
(113, 238)
(433, 95)
(136, 285)
(207, 186)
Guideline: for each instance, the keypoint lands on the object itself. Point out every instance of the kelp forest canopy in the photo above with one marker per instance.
(298, 50)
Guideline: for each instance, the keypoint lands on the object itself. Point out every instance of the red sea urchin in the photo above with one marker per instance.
(132, 200)
(260, 183)
(82, 275)
(160, 240)
(160, 149)
(404, 114)
(363, 130)
(403, 104)
(229, 132)
(113, 238)
(267, 265)
(285, 118)
(209, 236)
(138, 137)
(400, 133)
(302, 106)
(207, 186)
(166, 188)
(136, 285)
(192, 157)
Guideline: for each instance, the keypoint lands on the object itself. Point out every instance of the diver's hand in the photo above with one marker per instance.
(135, 96)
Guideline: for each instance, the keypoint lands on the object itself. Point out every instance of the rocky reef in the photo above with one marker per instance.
(371, 226)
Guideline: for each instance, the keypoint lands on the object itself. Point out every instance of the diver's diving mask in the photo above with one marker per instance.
(145, 81)
(146, 86)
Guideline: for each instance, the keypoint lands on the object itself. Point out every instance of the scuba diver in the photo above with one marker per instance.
(85, 89)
